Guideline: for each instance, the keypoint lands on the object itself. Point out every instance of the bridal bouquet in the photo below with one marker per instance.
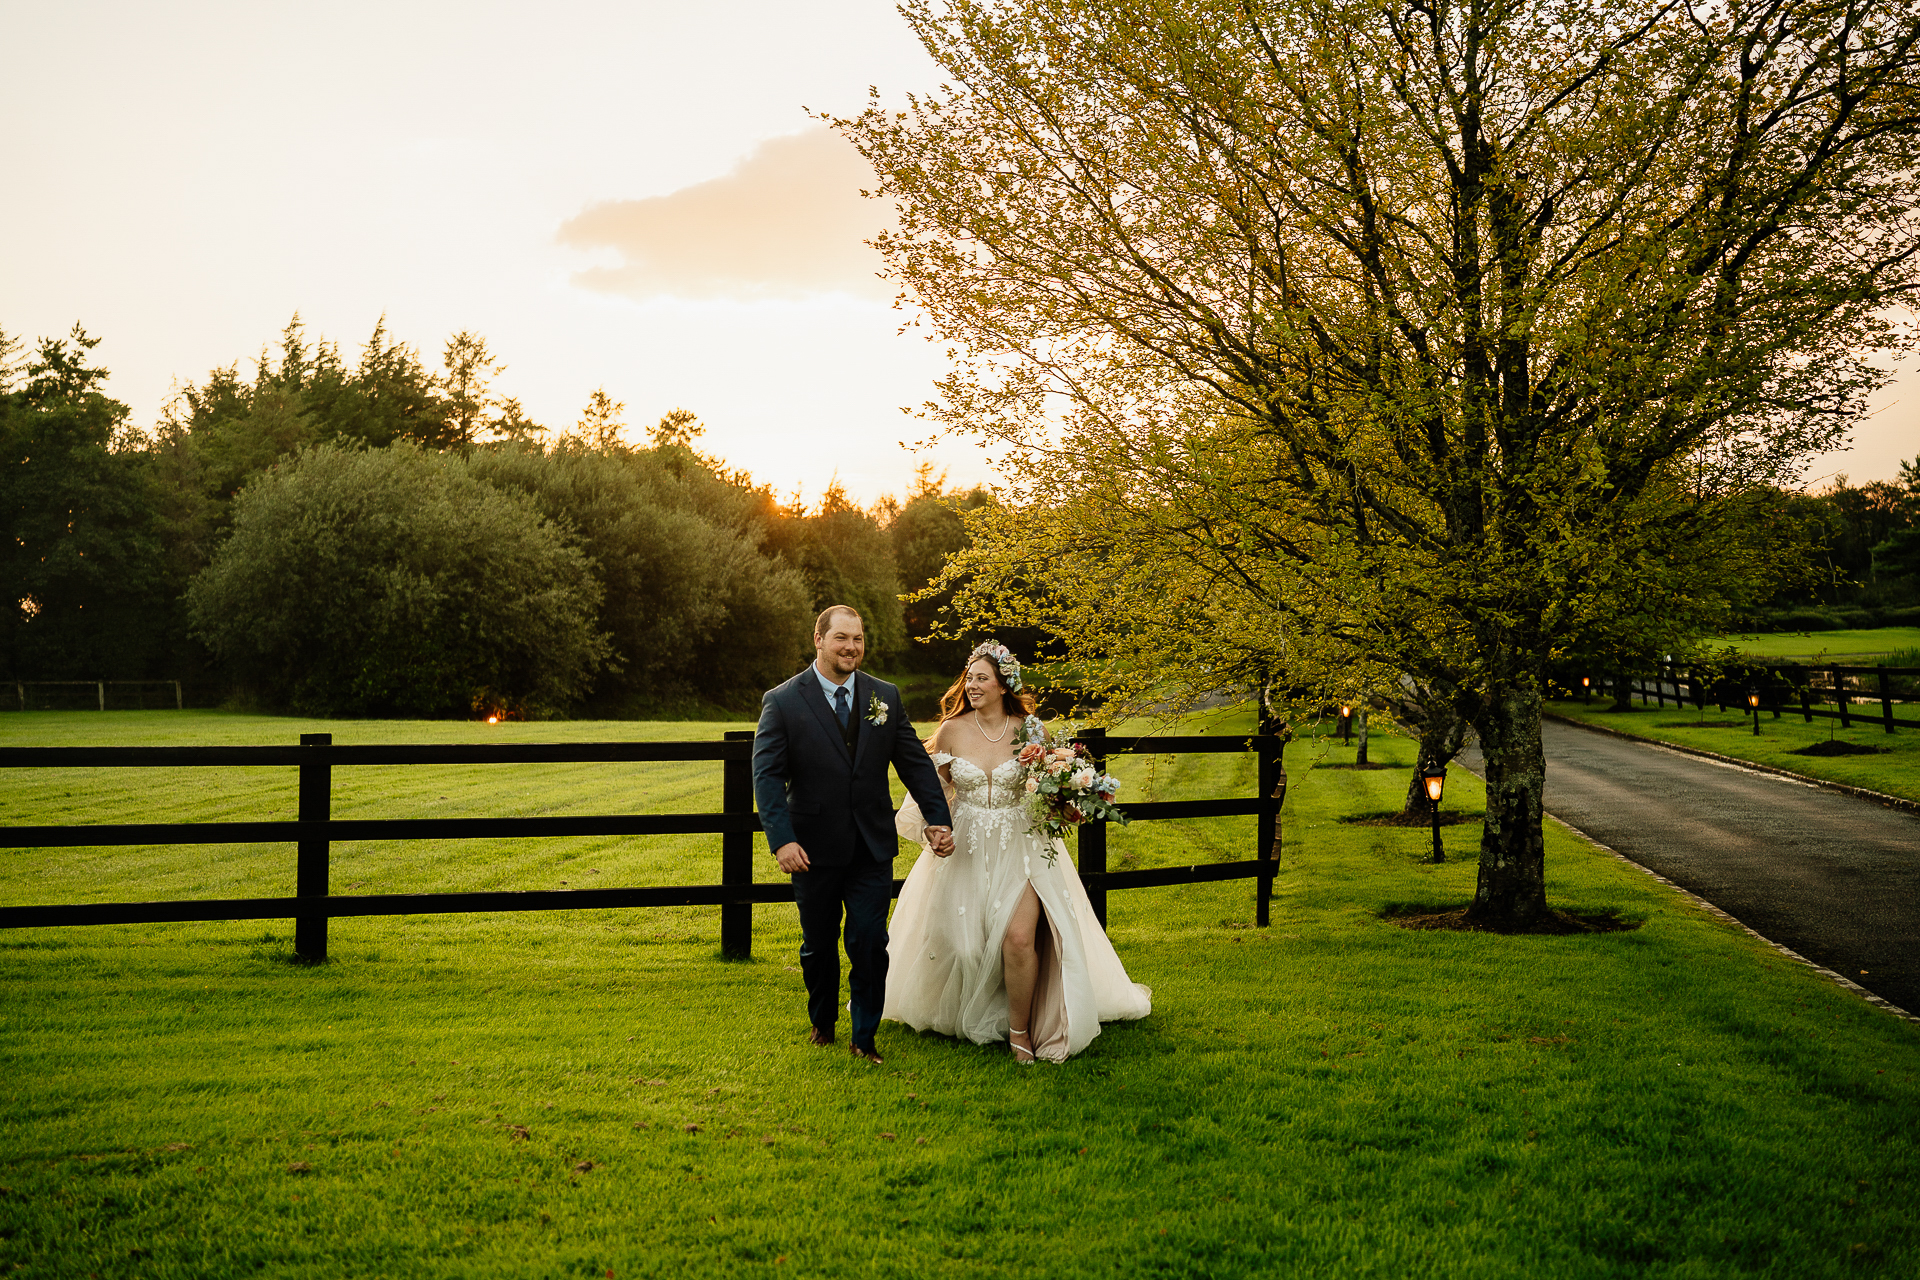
(1065, 790)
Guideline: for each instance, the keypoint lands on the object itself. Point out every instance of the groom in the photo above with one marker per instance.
(820, 760)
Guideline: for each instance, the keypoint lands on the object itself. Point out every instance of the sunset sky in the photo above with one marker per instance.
(626, 194)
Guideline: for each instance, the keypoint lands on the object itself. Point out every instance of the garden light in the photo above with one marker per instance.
(1434, 779)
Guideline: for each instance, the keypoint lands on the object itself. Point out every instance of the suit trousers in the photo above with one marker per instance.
(863, 889)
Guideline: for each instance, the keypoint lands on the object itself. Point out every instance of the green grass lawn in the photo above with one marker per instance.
(1894, 768)
(593, 1093)
(1843, 645)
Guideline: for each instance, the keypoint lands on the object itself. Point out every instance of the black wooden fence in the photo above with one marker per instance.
(1826, 691)
(315, 830)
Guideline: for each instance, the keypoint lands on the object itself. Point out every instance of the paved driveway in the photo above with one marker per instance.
(1833, 877)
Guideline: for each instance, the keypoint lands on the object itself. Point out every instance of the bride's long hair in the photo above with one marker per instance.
(953, 703)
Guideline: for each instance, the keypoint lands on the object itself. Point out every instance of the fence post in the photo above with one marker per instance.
(1806, 698)
(736, 850)
(1886, 698)
(316, 805)
(1272, 785)
(1093, 835)
(179, 699)
(1840, 696)
(1659, 688)
(102, 687)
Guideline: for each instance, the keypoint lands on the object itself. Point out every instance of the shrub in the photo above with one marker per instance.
(1805, 620)
(395, 582)
(692, 608)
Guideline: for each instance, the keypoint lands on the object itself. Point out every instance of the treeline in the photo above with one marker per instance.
(1864, 559)
(378, 537)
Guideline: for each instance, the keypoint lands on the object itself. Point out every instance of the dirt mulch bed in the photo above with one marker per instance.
(1838, 748)
(1395, 818)
(1409, 915)
(1366, 767)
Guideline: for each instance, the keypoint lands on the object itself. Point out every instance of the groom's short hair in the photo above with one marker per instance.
(825, 620)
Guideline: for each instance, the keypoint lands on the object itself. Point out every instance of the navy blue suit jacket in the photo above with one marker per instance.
(809, 789)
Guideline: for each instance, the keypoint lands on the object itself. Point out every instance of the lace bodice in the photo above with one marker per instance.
(1001, 789)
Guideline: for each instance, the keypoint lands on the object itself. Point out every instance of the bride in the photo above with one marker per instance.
(990, 942)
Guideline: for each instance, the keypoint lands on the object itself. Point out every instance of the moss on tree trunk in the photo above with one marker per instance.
(1511, 892)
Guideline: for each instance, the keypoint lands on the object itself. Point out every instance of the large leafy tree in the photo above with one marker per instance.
(1448, 333)
(396, 582)
(926, 532)
(80, 551)
(845, 557)
(689, 603)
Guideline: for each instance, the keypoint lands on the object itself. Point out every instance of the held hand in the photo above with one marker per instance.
(792, 858)
(940, 840)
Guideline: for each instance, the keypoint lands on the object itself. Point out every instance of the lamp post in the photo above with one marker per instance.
(1753, 701)
(1586, 691)
(1434, 778)
(1346, 724)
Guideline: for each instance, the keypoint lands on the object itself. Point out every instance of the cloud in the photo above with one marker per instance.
(787, 222)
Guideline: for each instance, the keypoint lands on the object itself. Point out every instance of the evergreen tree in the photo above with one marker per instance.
(80, 551)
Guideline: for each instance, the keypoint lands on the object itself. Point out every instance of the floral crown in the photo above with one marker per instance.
(1002, 657)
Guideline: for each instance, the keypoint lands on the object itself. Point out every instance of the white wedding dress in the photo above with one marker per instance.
(944, 971)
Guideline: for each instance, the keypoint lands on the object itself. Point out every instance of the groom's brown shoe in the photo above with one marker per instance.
(866, 1051)
(819, 1036)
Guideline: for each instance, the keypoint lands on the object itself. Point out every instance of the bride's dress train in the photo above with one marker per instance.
(944, 971)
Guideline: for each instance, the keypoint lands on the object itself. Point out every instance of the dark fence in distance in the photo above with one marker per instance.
(112, 695)
(1856, 693)
(315, 829)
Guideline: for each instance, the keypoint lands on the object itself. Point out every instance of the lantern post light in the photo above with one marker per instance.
(1753, 700)
(1434, 778)
(1346, 723)
(1586, 690)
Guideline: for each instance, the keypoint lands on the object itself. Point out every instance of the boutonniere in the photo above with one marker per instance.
(876, 710)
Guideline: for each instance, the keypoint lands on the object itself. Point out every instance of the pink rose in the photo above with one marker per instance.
(1031, 752)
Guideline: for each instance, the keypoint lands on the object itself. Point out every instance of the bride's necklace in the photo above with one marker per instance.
(1006, 725)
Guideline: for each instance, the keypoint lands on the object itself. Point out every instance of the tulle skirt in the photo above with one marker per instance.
(944, 969)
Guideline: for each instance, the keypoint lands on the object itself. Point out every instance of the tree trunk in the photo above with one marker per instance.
(1512, 888)
(1360, 729)
(1622, 692)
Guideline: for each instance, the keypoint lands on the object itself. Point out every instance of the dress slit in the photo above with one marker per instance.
(1048, 1023)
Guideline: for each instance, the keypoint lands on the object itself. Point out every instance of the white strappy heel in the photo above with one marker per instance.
(1020, 1031)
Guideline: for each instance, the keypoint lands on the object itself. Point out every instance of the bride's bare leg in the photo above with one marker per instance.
(1020, 962)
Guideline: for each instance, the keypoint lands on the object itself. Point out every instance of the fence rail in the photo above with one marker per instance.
(1789, 688)
(174, 693)
(315, 831)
